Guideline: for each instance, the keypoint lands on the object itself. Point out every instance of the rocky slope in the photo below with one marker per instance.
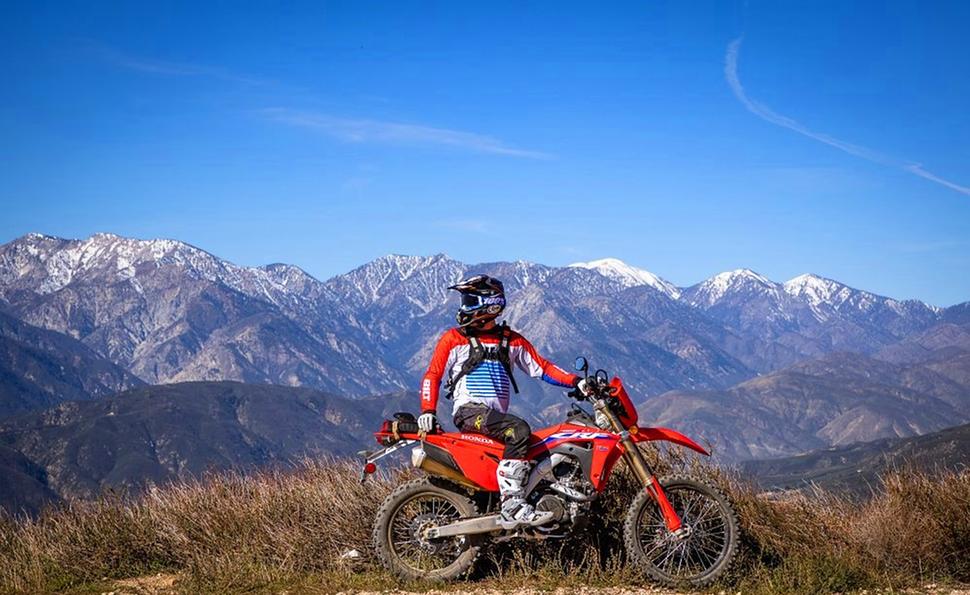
(807, 316)
(168, 312)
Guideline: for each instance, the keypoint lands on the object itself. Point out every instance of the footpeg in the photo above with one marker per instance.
(537, 519)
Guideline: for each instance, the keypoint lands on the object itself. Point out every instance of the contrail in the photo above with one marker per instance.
(769, 115)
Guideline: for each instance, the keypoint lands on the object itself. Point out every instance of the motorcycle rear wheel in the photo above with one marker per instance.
(401, 519)
(695, 561)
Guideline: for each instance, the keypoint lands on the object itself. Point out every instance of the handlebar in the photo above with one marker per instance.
(599, 392)
(598, 385)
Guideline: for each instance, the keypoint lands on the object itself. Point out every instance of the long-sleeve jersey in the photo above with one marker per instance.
(488, 384)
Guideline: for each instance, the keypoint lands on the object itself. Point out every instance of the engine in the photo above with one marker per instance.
(566, 492)
(570, 480)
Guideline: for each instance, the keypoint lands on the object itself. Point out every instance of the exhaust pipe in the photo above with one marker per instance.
(421, 460)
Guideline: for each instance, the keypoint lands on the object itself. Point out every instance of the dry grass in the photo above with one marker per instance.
(227, 531)
(286, 530)
(914, 529)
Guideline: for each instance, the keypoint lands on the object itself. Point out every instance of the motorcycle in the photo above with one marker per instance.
(680, 530)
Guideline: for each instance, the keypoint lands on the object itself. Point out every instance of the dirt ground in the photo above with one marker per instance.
(165, 584)
(927, 590)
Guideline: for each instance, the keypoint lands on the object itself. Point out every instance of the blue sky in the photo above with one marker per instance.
(686, 138)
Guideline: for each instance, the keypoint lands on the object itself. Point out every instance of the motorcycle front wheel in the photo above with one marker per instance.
(695, 560)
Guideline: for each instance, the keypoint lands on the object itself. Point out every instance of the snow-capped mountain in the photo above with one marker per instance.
(826, 298)
(727, 285)
(419, 283)
(807, 316)
(629, 276)
(48, 264)
(167, 311)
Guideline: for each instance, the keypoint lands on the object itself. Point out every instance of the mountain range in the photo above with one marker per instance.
(757, 367)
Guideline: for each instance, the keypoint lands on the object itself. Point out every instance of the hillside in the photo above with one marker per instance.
(856, 469)
(835, 400)
(40, 368)
(161, 433)
(24, 487)
(168, 312)
(756, 367)
(288, 530)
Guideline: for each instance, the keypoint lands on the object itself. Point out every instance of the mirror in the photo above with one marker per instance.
(602, 376)
(581, 365)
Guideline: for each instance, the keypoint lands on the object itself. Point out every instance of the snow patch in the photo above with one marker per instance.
(628, 275)
(712, 290)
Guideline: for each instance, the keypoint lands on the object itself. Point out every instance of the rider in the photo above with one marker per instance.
(478, 357)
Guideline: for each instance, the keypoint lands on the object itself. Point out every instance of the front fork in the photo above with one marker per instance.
(643, 472)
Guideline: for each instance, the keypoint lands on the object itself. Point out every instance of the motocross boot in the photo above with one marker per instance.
(516, 512)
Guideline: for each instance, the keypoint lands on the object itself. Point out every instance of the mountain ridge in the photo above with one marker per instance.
(605, 263)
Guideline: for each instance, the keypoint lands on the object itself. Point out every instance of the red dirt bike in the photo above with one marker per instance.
(680, 530)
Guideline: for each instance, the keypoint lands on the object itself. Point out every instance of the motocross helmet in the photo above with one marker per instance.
(482, 299)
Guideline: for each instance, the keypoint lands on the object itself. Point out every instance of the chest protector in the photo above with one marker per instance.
(478, 354)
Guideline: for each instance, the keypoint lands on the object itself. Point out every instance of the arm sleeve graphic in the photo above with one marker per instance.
(431, 383)
(536, 366)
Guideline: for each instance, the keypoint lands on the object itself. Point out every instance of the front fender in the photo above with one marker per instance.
(652, 434)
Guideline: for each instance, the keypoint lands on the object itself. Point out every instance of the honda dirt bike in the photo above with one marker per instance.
(680, 530)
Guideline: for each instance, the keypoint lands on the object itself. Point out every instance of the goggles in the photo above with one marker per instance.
(471, 302)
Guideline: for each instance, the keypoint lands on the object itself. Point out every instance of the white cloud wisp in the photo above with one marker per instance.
(162, 67)
(377, 131)
(769, 115)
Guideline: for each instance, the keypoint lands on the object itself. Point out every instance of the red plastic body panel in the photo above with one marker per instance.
(652, 434)
(630, 416)
(478, 455)
(606, 448)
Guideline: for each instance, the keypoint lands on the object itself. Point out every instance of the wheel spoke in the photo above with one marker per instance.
(694, 555)
(407, 528)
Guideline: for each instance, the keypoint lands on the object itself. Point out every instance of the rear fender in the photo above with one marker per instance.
(668, 435)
